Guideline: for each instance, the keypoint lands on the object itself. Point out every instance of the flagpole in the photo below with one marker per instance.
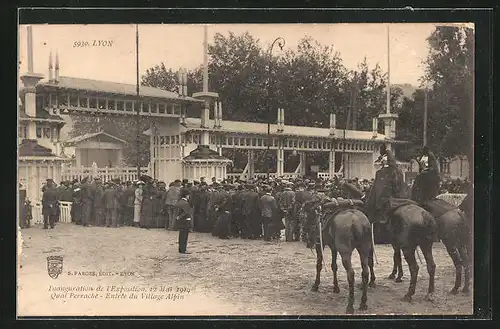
(138, 110)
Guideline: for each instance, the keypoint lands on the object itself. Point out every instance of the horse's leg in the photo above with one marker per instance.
(363, 257)
(457, 261)
(370, 265)
(431, 268)
(346, 262)
(409, 253)
(334, 270)
(319, 267)
(464, 255)
(399, 262)
(394, 263)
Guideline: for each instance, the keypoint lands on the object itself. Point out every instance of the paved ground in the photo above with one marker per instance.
(220, 277)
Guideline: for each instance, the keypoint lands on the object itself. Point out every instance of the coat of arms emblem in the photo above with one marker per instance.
(54, 266)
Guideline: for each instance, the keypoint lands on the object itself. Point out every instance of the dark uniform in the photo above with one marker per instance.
(268, 210)
(76, 205)
(98, 202)
(87, 201)
(111, 205)
(252, 225)
(426, 185)
(286, 202)
(183, 219)
(50, 205)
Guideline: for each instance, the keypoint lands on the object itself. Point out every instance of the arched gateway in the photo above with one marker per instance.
(174, 136)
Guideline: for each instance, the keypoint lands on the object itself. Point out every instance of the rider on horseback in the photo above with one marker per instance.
(388, 187)
(426, 185)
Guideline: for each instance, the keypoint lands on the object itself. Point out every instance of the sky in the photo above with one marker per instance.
(181, 45)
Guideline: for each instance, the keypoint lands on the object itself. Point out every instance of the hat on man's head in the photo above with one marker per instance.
(184, 192)
(177, 181)
(140, 182)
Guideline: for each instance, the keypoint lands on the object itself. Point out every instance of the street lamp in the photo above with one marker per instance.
(281, 43)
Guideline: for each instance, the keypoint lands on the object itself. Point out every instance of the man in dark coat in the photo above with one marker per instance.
(98, 202)
(426, 185)
(170, 202)
(87, 201)
(50, 201)
(387, 190)
(301, 197)
(183, 219)
(268, 211)
(252, 226)
(110, 198)
(222, 211)
(236, 209)
(127, 204)
(286, 202)
(202, 223)
(76, 205)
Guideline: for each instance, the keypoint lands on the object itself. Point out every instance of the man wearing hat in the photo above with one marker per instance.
(183, 220)
(426, 185)
(171, 199)
(50, 204)
(98, 202)
(87, 197)
(268, 210)
(286, 201)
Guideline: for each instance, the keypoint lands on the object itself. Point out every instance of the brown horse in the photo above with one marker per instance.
(343, 231)
(453, 231)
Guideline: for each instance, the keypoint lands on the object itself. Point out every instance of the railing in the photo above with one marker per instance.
(106, 174)
(64, 215)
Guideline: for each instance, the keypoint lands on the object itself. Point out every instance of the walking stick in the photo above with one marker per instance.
(373, 246)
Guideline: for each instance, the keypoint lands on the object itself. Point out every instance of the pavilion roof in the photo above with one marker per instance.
(40, 114)
(110, 87)
(30, 147)
(84, 137)
(203, 152)
(261, 128)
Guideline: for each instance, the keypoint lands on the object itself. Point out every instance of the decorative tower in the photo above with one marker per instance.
(30, 80)
(56, 68)
(205, 95)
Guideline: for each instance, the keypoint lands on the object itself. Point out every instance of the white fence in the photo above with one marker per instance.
(64, 217)
(106, 174)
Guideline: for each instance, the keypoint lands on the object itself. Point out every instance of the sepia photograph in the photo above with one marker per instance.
(245, 169)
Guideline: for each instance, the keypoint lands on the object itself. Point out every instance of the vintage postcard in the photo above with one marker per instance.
(245, 169)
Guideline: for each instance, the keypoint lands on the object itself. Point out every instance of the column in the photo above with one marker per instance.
(331, 162)
(302, 163)
(280, 157)
(250, 162)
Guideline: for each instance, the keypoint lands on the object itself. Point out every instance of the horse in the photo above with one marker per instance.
(453, 231)
(411, 226)
(343, 230)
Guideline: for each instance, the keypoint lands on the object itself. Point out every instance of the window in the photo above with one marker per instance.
(73, 101)
(38, 131)
(46, 132)
(146, 107)
(93, 103)
(84, 102)
(120, 106)
(111, 105)
(161, 108)
(102, 104)
(170, 109)
(63, 100)
(128, 106)
(177, 109)
(55, 135)
(22, 133)
(154, 108)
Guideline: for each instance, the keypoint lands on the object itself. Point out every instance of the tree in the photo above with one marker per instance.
(449, 68)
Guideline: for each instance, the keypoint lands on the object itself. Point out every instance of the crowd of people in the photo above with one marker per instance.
(230, 208)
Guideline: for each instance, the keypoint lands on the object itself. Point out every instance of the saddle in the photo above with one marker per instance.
(437, 207)
(331, 208)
